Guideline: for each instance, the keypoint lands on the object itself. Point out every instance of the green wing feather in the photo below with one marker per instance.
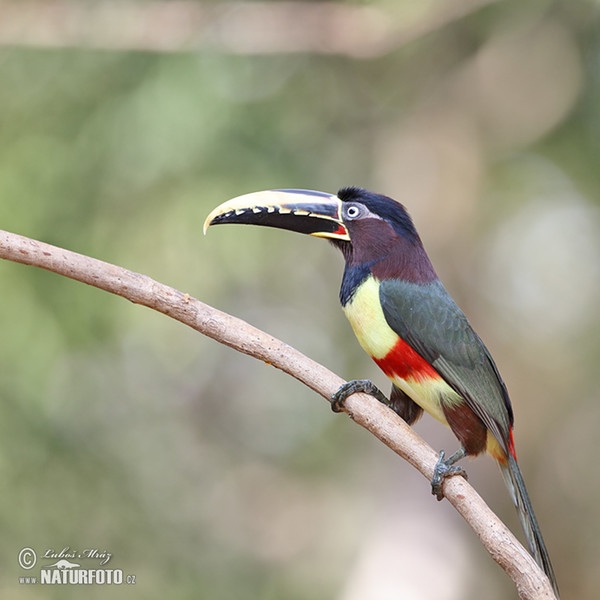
(426, 317)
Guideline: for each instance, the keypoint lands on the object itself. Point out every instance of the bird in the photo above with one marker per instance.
(405, 319)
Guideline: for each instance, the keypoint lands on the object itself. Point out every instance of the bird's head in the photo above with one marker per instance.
(369, 228)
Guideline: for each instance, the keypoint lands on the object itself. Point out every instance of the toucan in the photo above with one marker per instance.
(408, 323)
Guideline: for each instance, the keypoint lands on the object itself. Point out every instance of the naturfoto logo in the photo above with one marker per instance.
(69, 567)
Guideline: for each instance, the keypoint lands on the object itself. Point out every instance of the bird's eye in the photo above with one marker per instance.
(352, 211)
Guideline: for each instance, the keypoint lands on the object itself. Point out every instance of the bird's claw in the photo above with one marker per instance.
(351, 387)
(444, 468)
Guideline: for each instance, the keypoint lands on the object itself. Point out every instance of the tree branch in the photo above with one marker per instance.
(505, 549)
(235, 27)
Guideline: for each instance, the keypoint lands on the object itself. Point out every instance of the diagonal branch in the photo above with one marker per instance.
(504, 548)
(233, 27)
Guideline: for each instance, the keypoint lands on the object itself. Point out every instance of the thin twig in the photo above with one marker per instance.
(505, 549)
(234, 27)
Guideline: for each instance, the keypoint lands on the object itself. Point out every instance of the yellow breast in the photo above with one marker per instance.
(377, 339)
(368, 321)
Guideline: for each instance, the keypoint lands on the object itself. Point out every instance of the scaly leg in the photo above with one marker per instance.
(445, 468)
(351, 387)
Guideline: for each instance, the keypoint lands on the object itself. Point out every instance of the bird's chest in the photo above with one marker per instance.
(366, 316)
(409, 371)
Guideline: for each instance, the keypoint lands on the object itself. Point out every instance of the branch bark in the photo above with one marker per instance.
(252, 28)
(505, 549)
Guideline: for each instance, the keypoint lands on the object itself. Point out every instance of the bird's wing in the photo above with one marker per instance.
(426, 317)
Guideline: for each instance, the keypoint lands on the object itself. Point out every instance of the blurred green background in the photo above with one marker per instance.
(205, 473)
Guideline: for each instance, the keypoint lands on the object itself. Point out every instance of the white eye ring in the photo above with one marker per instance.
(352, 212)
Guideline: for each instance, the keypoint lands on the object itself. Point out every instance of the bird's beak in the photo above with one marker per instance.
(304, 211)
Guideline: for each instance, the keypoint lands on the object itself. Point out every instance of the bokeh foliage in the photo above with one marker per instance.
(209, 475)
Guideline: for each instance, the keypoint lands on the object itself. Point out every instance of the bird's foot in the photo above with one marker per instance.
(444, 468)
(351, 387)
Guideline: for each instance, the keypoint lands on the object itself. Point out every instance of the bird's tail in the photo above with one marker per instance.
(514, 481)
